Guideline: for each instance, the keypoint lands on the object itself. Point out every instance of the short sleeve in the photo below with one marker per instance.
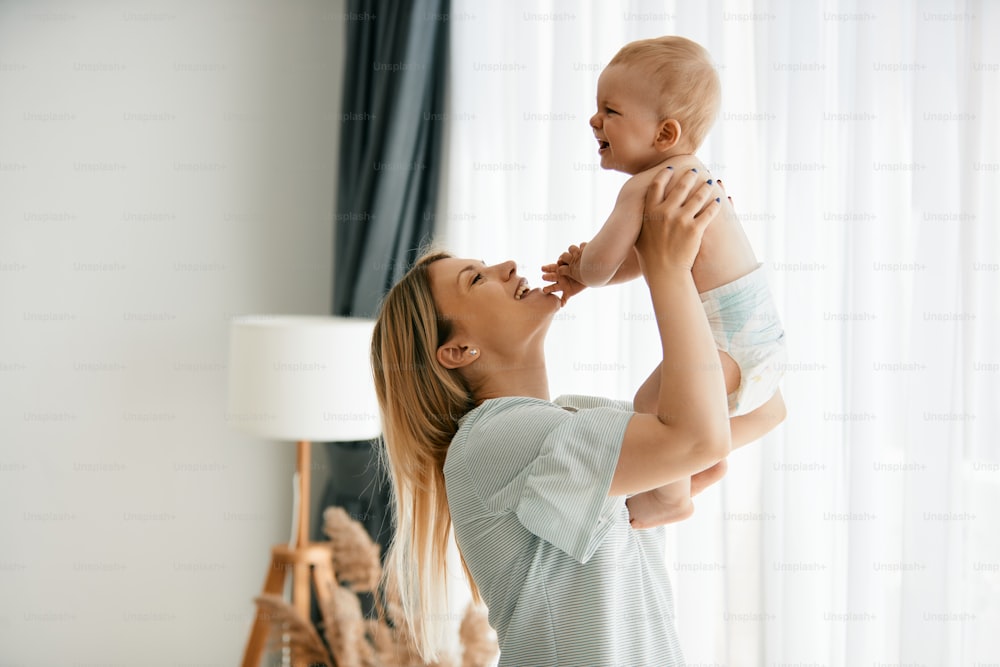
(564, 499)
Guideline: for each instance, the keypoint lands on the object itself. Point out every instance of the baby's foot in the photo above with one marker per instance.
(653, 508)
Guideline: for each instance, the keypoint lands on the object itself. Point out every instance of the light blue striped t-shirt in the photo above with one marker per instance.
(566, 579)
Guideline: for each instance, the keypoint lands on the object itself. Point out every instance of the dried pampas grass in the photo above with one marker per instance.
(346, 630)
(479, 641)
(355, 641)
(355, 555)
(289, 628)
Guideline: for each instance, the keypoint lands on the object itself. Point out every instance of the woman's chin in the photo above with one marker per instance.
(542, 307)
(550, 299)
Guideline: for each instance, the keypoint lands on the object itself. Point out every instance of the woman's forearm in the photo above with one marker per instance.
(745, 428)
(692, 395)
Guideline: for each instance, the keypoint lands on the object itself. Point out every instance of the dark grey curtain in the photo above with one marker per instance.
(390, 143)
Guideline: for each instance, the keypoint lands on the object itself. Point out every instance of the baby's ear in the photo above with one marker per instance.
(668, 134)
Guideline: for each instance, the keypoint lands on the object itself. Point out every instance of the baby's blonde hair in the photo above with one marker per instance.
(683, 73)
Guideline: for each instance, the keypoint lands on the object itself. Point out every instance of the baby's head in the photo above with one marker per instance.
(661, 96)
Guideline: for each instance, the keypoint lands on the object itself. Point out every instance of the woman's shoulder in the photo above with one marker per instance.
(496, 412)
(581, 402)
(510, 428)
(505, 411)
(499, 439)
(522, 419)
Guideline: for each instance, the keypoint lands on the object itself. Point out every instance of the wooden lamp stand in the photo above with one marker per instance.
(309, 562)
(271, 397)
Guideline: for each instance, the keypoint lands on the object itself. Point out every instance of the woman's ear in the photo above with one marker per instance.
(454, 355)
(668, 134)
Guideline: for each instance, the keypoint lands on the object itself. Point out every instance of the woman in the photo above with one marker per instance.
(537, 489)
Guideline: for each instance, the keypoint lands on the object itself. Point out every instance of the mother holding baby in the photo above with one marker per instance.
(548, 497)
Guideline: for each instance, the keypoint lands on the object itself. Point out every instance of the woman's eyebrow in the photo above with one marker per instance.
(470, 267)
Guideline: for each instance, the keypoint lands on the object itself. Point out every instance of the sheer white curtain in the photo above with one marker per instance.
(860, 143)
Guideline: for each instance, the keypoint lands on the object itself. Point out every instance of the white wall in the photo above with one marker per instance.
(163, 166)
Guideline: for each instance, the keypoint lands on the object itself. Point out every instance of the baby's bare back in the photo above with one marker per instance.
(726, 253)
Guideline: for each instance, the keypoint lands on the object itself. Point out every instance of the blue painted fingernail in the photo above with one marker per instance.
(710, 181)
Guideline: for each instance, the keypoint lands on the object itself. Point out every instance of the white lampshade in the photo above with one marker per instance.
(302, 378)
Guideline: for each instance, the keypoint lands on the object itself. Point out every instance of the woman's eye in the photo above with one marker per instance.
(477, 278)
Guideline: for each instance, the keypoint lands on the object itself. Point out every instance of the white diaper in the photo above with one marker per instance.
(745, 325)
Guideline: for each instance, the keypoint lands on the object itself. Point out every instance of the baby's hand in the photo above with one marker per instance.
(562, 273)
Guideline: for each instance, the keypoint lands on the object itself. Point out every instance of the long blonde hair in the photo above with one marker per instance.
(421, 402)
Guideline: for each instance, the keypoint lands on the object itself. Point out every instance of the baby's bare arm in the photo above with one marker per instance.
(726, 253)
(613, 245)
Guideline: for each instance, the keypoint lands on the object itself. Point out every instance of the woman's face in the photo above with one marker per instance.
(490, 307)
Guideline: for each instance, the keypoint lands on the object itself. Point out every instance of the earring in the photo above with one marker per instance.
(473, 351)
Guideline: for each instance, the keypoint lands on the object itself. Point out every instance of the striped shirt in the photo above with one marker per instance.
(566, 579)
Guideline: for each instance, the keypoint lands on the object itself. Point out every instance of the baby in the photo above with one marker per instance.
(656, 101)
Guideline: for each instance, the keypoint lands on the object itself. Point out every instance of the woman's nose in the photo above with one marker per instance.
(507, 269)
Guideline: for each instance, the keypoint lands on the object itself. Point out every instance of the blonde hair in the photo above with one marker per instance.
(421, 402)
(683, 73)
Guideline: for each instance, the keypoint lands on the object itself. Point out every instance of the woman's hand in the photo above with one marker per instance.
(723, 187)
(674, 221)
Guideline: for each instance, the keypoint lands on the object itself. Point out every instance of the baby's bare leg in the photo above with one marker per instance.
(731, 371)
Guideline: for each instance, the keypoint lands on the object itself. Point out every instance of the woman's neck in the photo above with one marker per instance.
(524, 378)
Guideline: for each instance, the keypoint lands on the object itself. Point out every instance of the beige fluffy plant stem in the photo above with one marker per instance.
(351, 639)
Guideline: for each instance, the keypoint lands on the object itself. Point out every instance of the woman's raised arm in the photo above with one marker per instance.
(690, 431)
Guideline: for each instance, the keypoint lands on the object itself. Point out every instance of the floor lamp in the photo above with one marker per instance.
(300, 379)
